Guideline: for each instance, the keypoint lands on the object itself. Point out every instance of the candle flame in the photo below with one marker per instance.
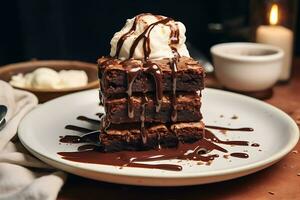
(274, 14)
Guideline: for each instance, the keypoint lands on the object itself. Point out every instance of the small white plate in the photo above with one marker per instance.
(275, 131)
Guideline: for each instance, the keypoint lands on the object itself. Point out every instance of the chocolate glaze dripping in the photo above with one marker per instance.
(174, 38)
(154, 70)
(132, 73)
(143, 106)
(173, 65)
(174, 35)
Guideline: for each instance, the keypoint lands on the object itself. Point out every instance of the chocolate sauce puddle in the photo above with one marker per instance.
(197, 151)
(130, 158)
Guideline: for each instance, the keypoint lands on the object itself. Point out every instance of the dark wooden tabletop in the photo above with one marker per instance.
(280, 181)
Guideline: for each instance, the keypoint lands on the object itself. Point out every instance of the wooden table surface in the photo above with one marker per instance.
(280, 181)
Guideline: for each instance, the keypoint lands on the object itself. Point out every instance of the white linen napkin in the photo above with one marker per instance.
(23, 176)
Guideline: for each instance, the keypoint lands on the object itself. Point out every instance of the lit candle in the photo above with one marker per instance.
(278, 36)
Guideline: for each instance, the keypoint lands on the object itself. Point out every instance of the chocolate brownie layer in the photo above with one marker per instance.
(113, 75)
(128, 137)
(187, 107)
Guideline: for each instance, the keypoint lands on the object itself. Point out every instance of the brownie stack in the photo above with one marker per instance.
(150, 104)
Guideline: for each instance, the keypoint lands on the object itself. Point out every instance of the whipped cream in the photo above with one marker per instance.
(46, 78)
(162, 38)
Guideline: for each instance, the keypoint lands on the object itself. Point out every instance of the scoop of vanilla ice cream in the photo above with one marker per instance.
(46, 78)
(159, 38)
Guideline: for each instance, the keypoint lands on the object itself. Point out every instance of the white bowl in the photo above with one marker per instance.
(247, 67)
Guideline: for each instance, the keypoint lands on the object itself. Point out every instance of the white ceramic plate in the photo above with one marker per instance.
(275, 131)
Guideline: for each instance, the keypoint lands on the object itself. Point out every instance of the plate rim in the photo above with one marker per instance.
(221, 172)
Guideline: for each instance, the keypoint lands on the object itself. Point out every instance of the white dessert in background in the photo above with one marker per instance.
(159, 37)
(46, 78)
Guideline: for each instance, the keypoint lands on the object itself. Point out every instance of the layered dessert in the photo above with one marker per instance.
(150, 87)
(151, 91)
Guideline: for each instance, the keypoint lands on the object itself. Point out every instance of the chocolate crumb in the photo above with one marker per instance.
(225, 156)
(259, 150)
(272, 193)
(234, 117)
(221, 116)
(199, 163)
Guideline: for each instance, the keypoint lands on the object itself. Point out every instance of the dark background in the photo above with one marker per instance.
(81, 30)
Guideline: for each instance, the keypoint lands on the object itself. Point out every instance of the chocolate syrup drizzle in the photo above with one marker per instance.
(248, 129)
(150, 67)
(143, 133)
(197, 151)
(78, 128)
(173, 64)
(145, 35)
